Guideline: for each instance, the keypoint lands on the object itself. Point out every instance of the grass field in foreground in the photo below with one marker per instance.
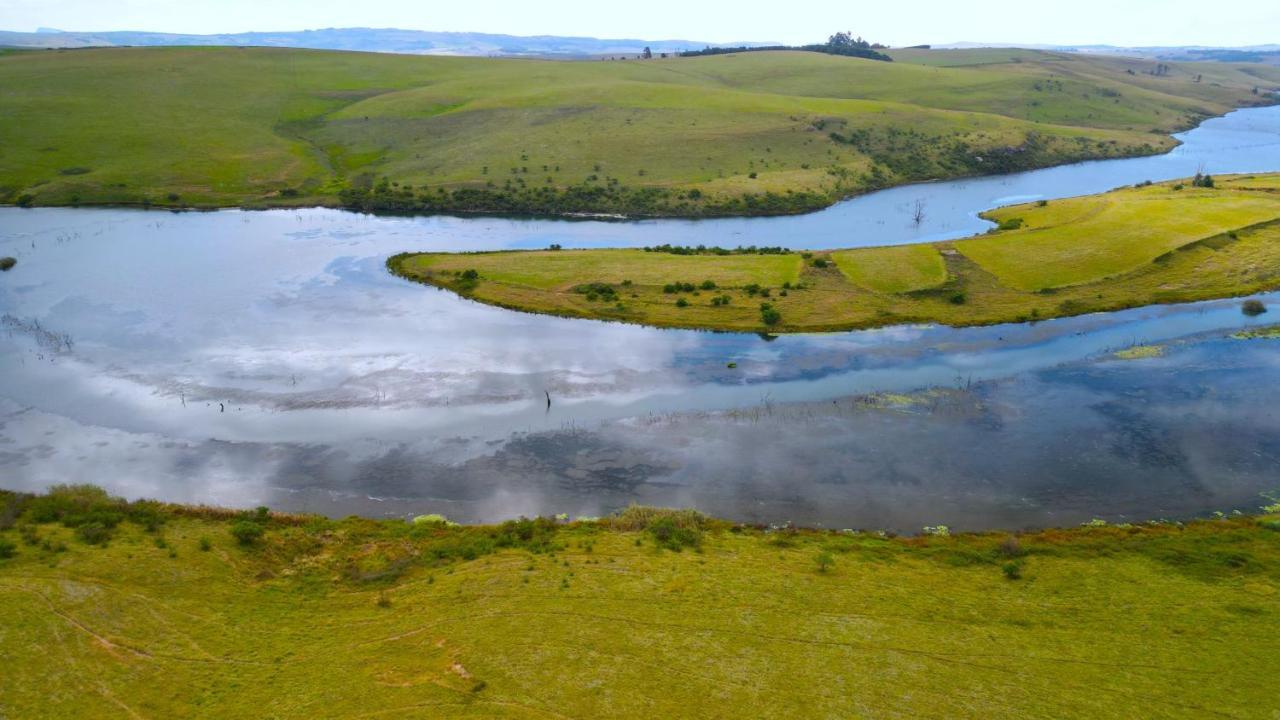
(648, 614)
(752, 133)
(1168, 242)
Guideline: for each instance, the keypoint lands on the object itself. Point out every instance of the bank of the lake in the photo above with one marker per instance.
(1180, 241)
(751, 134)
(154, 610)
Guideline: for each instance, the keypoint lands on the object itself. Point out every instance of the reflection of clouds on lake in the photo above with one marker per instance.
(1058, 446)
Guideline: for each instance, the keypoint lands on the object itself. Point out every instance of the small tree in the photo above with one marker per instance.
(825, 561)
(769, 315)
(648, 54)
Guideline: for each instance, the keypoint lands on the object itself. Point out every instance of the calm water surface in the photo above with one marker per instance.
(267, 357)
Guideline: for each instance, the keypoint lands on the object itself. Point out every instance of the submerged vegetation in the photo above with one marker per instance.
(750, 133)
(7, 263)
(170, 614)
(1154, 243)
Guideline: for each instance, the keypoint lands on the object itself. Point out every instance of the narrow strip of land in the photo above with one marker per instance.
(1157, 243)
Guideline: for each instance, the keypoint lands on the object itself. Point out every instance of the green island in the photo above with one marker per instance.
(143, 609)
(1179, 241)
(751, 133)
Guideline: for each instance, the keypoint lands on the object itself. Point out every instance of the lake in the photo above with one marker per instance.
(248, 358)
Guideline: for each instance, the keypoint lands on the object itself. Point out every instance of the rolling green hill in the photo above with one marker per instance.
(764, 132)
(1167, 242)
(142, 610)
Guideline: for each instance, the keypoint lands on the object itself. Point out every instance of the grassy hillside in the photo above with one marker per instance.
(1169, 242)
(735, 134)
(115, 610)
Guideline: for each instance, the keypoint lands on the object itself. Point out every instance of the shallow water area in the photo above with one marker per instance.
(267, 357)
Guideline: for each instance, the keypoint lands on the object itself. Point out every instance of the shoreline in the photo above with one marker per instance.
(602, 215)
(1268, 507)
(335, 203)
(1211, 243)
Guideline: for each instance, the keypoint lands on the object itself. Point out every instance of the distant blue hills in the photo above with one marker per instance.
(370, 40)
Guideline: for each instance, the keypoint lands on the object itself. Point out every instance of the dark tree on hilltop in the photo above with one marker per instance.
(842, 43)
(647, 53)
(846, 40)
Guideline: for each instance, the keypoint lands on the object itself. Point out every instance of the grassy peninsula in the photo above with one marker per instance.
(735, 134)
(1159, 243)
(143, 610)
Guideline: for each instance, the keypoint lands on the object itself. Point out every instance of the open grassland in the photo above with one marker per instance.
(755, 133)
(896, 269)
(1168, 242)
(150, 611)
(1082, 240)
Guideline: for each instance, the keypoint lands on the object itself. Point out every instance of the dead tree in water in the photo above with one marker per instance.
(917, 215)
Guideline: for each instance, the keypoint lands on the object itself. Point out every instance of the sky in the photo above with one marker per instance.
(1113, 22)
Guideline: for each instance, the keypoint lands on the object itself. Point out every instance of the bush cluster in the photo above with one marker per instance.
(91, 512)
(585, 198)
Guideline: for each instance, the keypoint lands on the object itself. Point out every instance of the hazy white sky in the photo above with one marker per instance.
(1116, 22)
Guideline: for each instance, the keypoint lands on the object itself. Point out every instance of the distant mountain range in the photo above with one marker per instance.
(423, 42)
(369, 40)
(1269, 54)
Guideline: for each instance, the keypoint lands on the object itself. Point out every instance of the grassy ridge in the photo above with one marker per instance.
(651, 613)
(1167, 242)
(735, 134)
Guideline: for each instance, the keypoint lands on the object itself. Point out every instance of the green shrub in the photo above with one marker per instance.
(958, 299)
(205, 544)
(29, 534)
(820, 263)
(537, 535)
(1012, 570)
(1010, 547)
(640, 517)
(12, 505)
(7, 549)
(247, 532)
(86, 508)
(825, 561)
(7, 263)
(680, 303)
(769, 314)
(669, 534)
(1011, 223)
(708, 285)
(1253, 308)
(94, 533)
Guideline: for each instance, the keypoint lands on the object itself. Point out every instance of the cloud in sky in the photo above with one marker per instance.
(1134, 22)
